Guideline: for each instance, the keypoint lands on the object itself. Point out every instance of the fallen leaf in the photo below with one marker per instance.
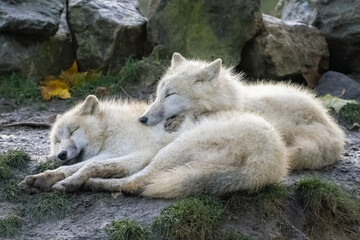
(54, 88)
(336, 103)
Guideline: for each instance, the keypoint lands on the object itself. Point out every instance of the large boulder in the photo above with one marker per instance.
(106, 32)
(48, 49)
(284, 50)
(204, 29)
(338, 21)
(338, 84)
(31, 17)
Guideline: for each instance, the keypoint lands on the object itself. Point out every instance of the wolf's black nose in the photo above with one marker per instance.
(143, 119)
(62, 155)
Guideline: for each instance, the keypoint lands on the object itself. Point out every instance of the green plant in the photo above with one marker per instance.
(350, 113)
(114, 83)
(11, 191)
(9, 226)
(48, 165)
(128, 230)
(17, 87)
(48, 204)
(15, 158)
(190, 218)
(268, 200)
(326, 201)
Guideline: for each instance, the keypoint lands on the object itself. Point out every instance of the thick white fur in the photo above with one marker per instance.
(225, 152)
(312, 137)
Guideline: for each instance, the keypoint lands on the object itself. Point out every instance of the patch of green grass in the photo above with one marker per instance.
(268, 200)
(17, 87)
(128, 230)
(48, 204)
(11, 191)
(114, 83)
(325, 200)
(350, 113)
(5, 170)
(190, 218)
(9, 226)
(48, 165)
(15, 158)
(236, 236)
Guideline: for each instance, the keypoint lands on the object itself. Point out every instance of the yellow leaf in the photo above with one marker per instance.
(73, 69)
(52, 88)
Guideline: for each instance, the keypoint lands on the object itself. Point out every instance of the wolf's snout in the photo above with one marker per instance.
(62, 155)
(143, 119)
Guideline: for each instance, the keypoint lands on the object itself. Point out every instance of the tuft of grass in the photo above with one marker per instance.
(236, 236)
(20, 88)
(48, 165)
(48, 204)
(15, 158)
(267, 200)
(350, 113)
(5, 170)
(128, 230)
(11, 191)
(9, 226)
(326, 201)
(115, 83)
(190, 218)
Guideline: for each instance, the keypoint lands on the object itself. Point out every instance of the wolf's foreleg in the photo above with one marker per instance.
(113, 167)
(44, 181)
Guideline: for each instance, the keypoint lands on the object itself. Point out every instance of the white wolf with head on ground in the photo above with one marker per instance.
(227, 152)
(198, 88)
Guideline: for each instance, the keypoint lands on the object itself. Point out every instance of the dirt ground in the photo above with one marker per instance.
(90, 212)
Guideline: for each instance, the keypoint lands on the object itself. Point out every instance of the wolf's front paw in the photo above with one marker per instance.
(66, 186)
(40, 182)
(173, 124)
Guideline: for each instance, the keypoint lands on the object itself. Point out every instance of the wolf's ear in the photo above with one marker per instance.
(90, 106)
(213, 69)
(177, 59)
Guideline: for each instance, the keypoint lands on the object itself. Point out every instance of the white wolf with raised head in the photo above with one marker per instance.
(198, 88)
(226, 152)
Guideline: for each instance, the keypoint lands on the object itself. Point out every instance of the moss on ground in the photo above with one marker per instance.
(328, 202)
(350, 113)
(128, 230)
(47, 205)
(268, 200)
(190, 218)
(9, 226)
(10, 160)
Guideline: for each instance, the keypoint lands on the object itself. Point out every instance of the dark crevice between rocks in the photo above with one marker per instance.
(72, 35)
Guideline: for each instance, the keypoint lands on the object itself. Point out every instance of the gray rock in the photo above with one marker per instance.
(106, 32)
(204, 29)
(31, 17)
(338, 84)
(35, 57)
(338, 21)
(284, 50)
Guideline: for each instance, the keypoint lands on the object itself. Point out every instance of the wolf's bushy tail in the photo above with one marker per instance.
(195, 179)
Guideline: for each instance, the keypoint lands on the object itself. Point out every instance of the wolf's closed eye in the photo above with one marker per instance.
(73, 130)
(169, 94)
